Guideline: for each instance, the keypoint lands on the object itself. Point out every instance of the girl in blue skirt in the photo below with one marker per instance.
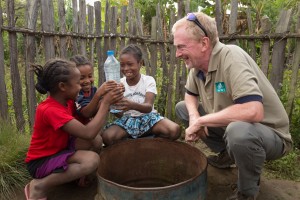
(138, 117)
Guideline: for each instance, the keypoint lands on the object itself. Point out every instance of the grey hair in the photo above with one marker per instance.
(208, 22)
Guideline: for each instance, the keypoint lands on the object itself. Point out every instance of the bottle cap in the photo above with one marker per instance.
(110, 52)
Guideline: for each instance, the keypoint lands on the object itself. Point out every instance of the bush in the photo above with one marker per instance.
(286, 167)
(13, 147)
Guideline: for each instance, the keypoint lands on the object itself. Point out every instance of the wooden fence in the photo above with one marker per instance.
(91, 35)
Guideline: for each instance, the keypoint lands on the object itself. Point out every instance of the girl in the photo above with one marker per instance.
(138, 117)
(88, 99)
(51, 158)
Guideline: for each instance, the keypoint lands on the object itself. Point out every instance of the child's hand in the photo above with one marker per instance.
(122, 87)
(113, 95)
(124, 105)
(105, 87)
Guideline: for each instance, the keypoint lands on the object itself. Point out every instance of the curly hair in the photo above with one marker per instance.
(134, 50)
(54, 71)
(80, 60)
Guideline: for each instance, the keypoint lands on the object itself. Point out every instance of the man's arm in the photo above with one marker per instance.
(251, 112)
(192, 104)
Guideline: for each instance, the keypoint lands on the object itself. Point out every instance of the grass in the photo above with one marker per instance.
(286, 167)
(13, 147)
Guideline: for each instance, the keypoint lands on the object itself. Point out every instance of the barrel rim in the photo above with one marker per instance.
(154, 188)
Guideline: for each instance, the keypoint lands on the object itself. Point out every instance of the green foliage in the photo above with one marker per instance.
(288, 167)
(148, 9)
(295, 118)
(295, 121)
(13, 173)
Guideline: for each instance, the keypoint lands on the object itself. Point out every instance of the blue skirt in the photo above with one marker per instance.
(137, 126)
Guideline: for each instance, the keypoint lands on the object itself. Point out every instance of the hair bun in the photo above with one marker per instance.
(40, 88)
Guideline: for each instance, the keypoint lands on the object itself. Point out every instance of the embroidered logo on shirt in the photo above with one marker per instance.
(220, 87)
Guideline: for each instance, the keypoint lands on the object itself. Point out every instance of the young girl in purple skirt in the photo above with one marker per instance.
(52, 158)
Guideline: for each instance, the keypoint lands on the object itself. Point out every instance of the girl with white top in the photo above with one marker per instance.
(138, 118)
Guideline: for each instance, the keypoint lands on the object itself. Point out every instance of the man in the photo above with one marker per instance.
(240, 115)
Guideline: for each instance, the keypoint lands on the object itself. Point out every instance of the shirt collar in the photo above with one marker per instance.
(213, 62)
(201, 75)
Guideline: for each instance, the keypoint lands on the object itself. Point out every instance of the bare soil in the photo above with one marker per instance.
(219, 187)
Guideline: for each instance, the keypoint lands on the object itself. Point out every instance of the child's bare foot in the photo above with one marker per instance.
(33, 192)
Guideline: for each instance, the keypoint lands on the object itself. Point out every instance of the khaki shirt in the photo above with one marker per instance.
(233, 74)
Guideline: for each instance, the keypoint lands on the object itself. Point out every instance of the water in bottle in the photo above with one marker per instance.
(112, 67)
(112, 72)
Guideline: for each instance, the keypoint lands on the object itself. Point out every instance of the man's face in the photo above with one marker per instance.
(188, 49)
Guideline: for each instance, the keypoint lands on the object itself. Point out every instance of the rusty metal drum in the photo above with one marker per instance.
(152, 169)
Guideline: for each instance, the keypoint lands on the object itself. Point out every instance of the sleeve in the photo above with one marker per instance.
(57, 117)
(191, 84)
(242, 80)
(151, 85)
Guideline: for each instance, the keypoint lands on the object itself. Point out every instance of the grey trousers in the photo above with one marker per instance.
(248, 144)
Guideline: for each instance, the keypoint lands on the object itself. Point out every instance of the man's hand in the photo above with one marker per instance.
(195, 131)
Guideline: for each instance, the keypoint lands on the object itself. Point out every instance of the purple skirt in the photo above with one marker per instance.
(52, 164)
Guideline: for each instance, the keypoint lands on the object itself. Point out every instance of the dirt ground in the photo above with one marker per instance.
(219, 187)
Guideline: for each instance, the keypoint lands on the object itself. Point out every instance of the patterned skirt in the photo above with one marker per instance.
(137, 126)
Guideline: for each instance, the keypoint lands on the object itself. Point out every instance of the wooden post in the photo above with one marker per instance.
(14, 70)
(3, 91)
(161, 105)
(219, 17)
(184, 70)
(82, 26)
(132, 29)
(113, 29)
(233, 19)
(91, 32)
(172, 66)
(251, 42)
(180, 69)
(295, 69)
(181, 9)
(48, 25)
(106, 29)
(265, 47)
(62, 27)
(153, 48)
(30, 54)
(99, 52)
(75, 27)
(143, 45)
(278, 56)
(123, 25)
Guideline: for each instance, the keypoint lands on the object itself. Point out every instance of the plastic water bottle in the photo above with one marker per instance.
(112, 67)
(112, 72)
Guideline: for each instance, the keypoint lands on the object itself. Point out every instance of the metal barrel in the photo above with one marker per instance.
(152, 169)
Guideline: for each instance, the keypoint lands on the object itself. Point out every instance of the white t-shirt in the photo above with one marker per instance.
(137, 93)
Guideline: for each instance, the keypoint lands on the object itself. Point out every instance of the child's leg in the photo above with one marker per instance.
(80, 164)
(94, 145)
(113, 134)
(167, 129)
